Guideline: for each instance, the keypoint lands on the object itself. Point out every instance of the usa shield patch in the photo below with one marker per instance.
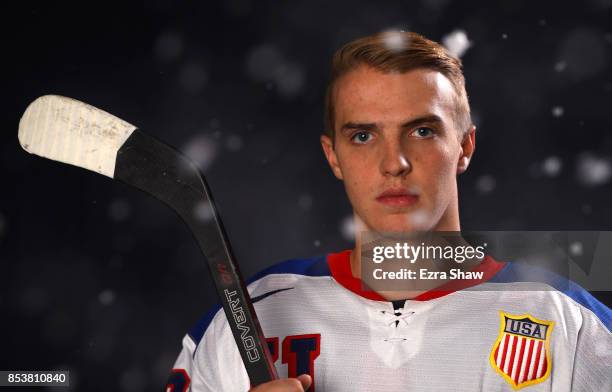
(521, 354)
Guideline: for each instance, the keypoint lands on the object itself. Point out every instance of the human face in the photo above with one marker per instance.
(398, 150)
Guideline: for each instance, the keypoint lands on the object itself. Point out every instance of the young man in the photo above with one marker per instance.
(398, 132)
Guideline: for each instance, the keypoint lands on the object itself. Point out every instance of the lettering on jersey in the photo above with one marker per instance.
(521, 353)
(525, 328)
(299, 353)
(178, 381)
(248, 342)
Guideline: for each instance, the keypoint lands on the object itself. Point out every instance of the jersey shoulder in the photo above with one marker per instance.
(518, 272)
(272, 280)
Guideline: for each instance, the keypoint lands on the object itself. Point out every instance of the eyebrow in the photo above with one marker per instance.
(426, 119)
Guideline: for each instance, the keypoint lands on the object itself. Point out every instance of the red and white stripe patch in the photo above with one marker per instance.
(521, 352)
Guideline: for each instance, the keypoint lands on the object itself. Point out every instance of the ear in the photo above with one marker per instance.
(328, 149)
(468, 145)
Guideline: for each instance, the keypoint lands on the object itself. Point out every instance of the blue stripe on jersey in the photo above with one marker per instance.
(197, 332)
(521, 272)
(309, 267)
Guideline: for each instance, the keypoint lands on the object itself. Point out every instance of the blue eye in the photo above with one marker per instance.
(423, 132)
(361, 137)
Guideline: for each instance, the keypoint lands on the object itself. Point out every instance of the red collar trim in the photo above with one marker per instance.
(340, 268)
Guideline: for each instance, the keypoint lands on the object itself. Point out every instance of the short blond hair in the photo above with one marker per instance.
(398, 51)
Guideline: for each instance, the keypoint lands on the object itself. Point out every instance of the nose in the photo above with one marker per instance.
(394, 161)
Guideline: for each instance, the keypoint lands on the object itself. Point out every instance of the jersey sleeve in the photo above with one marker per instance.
(593, 355)
(210, 365)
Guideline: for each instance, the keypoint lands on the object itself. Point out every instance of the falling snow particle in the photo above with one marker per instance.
(305, 202)
(394, 40)
(592, 170)
(457, 42)
(419, 220)
(317, 243)
(267, 64)
(119, 210)
(504, 36)
(168, 46)
(560, 66)
(203, 212)
(233, 143)
(201, 150)
(485, 184)
(347, 228)
(585, 51)
(106, 297)
(552, 166)
(262, 61)
(289, 79)
(557, 111)
(575, 248)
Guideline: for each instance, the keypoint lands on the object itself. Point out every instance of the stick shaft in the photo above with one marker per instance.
(162, 172)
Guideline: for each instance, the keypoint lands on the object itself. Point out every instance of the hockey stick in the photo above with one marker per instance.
(69, 131)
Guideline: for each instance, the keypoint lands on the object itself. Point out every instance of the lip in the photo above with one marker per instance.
(397, 197)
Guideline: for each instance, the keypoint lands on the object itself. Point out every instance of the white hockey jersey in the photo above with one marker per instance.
(509, 332)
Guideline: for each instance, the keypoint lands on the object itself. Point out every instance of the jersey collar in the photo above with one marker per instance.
(340, 268)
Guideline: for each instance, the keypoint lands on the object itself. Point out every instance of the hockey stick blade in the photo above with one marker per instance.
(66, 130)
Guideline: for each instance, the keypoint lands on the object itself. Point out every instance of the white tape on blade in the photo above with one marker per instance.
(66, 130)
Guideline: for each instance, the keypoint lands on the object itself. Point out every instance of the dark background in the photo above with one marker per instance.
(105, 281)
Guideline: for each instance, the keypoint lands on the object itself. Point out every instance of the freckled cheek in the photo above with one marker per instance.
(360, 189)
(436, 169)
(360, 184)
(357, 170)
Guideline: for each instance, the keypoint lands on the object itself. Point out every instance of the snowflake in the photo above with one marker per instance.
(347, 228)
(485, 184)
(457, 42)
(552, 166)
(557, 111)
(592, 170)
(201, 150)
(106, 297)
